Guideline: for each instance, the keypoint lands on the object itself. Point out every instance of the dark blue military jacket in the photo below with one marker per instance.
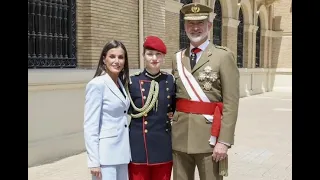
(150, 135)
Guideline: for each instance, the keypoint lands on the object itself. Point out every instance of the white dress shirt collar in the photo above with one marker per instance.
(203, 46)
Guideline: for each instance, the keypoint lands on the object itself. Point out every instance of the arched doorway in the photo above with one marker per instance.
(240, 40)
(258, 35)
(217, 24)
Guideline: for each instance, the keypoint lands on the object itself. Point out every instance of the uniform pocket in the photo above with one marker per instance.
(108, 133)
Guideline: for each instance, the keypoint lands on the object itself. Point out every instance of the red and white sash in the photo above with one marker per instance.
(193, 88)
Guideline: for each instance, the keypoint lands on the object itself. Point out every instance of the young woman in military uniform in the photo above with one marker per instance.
(152, 96)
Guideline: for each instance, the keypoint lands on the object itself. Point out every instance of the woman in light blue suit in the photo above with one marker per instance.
(106, 131)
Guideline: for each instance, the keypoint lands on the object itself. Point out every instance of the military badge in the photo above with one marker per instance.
(195, 9)
(208, 77)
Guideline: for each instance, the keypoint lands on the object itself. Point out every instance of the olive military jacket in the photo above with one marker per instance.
(191, 132)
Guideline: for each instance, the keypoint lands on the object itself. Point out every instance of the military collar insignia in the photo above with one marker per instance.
(152, 76)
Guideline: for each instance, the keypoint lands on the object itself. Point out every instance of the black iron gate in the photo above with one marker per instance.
(240, 40)
(184, 40)
(217, 24)
(258, 44)
(52, 34)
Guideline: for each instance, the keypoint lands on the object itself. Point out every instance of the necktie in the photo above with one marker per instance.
(193, 58)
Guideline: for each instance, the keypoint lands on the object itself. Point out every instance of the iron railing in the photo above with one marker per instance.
(52, 34)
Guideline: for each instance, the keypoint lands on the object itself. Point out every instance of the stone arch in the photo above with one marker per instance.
(246, 10)
(217, 23)
(226, 7)
(241, 61)
(262, 50)
(263, 15)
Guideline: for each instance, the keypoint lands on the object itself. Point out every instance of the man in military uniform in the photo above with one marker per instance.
(207, 99)
(152, 96)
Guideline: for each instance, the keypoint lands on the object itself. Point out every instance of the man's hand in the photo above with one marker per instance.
(219, 152)
(96, 171)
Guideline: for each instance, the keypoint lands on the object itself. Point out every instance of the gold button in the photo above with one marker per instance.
(167, 121)
(167, 89)
(145, 115)
(166, 82)
(168, 105)
(167, 130)
(144, 97)
(145, 122)
(130, 82)
(168, 97)
(142, 89)
(146, 131)
(141, 82)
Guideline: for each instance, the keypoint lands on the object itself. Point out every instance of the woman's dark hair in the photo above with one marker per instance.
(124, 74)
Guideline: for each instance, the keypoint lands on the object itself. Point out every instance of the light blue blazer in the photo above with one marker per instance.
(106, 129)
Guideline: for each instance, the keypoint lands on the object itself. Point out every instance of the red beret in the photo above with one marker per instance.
(155, 43)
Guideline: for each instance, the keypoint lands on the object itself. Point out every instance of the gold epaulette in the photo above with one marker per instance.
(180, 50)
(169, 74)
(136, 73)
(223, 47)
(163, 72)
(226, 49)
(172, 77)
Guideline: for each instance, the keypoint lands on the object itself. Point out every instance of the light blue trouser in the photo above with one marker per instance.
(113, 172)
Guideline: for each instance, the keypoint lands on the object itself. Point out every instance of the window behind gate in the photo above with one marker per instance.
(240, 41)
(52, 34)
(184, 41)
(217, 23)
(258, 44)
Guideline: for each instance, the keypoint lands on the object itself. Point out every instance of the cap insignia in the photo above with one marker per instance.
(195, 9)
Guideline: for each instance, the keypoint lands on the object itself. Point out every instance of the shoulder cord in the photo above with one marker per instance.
(153, 94)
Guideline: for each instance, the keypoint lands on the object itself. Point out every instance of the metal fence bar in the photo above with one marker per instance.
(51, 34)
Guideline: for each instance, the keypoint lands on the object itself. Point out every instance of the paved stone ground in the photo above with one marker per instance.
(262, 148)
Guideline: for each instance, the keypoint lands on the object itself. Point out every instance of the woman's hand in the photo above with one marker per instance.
(170, 115)
(96, 171)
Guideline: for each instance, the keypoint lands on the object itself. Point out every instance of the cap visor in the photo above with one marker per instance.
(195, 18)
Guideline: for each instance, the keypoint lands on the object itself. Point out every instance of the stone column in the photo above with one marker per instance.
(267, 64)
(264, 48)
(230, 34)
(276, 45)
(253, 42)
(247, 46)
(269, 49)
